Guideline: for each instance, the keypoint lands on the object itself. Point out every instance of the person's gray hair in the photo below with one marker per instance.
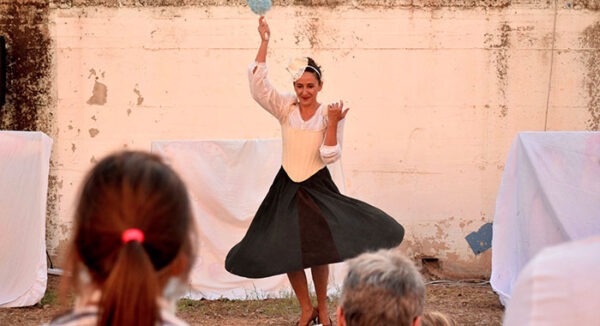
(382, 288)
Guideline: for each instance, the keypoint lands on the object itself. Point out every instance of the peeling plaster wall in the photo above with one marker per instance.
(590, 40)
(24, 24)
(437, 90)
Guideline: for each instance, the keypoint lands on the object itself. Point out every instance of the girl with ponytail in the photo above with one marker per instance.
(133, 243)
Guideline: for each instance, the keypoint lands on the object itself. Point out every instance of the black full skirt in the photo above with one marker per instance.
(309, 223)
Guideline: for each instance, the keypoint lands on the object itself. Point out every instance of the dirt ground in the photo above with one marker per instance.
(469, 302)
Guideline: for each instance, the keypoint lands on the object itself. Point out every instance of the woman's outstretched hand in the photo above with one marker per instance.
(336, 112)
(263, 29)
(265, 33)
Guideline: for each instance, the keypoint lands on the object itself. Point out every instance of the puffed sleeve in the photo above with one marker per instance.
(265, 94)
(330, 154)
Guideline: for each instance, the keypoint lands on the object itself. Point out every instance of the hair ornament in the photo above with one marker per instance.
(132, 234)
(298, 66)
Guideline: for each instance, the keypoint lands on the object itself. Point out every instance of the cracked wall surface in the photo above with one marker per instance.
(24, 24)
(591, 41)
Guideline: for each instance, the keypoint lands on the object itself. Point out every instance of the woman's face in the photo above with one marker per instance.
(307, 87)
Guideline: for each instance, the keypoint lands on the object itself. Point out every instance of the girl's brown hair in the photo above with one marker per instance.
(131, 189)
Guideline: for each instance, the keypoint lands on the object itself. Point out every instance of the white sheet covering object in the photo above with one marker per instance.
(227, 180)
(549, 194)
(24, 169)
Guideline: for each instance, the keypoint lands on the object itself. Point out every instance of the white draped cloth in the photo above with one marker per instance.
(549, 194)
(227, 180)
(24, 169)
(559, 286)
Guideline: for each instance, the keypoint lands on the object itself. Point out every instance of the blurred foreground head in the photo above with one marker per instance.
(382, 288)
(133, 235)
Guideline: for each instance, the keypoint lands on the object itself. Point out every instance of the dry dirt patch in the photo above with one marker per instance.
(470, 303)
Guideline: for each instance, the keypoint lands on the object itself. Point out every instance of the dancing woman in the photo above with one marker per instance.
(304, 221)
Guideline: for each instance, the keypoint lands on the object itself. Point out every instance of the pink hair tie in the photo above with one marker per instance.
(132, 235)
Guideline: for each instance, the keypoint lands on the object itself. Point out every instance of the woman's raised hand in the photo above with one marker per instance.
(336, 112)
(263, 29)
(264, 32)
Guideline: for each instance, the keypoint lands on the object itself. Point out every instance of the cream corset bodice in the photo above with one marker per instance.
(300, 153)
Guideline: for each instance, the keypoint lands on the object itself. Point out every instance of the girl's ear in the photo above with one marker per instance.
(340, 316)
(417, 321)
(179, 267)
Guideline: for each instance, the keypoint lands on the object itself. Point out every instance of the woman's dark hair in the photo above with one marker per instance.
(132, 189)
(314, 68)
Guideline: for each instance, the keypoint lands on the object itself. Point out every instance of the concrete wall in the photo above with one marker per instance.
(437, 90)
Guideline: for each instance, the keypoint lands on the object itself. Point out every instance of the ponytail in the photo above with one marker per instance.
(129, 293)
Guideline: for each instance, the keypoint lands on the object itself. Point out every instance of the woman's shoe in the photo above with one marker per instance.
(330, 323)
(313, 318)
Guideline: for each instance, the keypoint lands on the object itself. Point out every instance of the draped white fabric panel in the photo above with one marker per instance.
(227, 180)
(550, 193)
(24, 168)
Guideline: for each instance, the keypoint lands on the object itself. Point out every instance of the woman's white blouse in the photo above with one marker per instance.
(284, 108)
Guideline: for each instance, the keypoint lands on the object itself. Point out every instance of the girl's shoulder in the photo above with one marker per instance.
(72, 318)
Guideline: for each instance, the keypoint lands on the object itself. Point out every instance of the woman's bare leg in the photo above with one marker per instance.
(320, 275)
(300, 286)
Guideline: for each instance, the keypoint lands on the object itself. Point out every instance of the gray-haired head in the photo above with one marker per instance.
(382, 288)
